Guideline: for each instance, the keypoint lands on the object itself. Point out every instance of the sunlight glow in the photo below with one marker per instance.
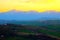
(29, 5)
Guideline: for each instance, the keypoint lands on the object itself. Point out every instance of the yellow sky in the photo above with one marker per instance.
(28, 5)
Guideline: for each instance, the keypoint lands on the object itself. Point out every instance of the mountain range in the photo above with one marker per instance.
(29, 16)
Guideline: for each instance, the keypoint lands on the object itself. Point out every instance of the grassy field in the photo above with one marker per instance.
(51, 30)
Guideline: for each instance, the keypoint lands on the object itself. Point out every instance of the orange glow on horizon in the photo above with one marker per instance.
(28, 5)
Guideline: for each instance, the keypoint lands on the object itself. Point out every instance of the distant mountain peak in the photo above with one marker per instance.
(32, 15)
(14, 11)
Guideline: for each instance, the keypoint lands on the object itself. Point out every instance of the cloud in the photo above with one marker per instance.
(28, 5)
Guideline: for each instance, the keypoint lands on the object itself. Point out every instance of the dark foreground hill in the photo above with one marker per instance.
(22, 32)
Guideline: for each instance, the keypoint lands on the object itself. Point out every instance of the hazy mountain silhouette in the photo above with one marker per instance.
(28, 16)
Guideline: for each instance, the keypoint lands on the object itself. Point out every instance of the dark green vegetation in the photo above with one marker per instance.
(22, 32)
(13, 30)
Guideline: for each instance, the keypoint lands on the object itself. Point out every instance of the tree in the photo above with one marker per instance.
(5, 31)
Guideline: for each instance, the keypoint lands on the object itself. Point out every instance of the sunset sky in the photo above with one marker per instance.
(13, 9)
(29, 5)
